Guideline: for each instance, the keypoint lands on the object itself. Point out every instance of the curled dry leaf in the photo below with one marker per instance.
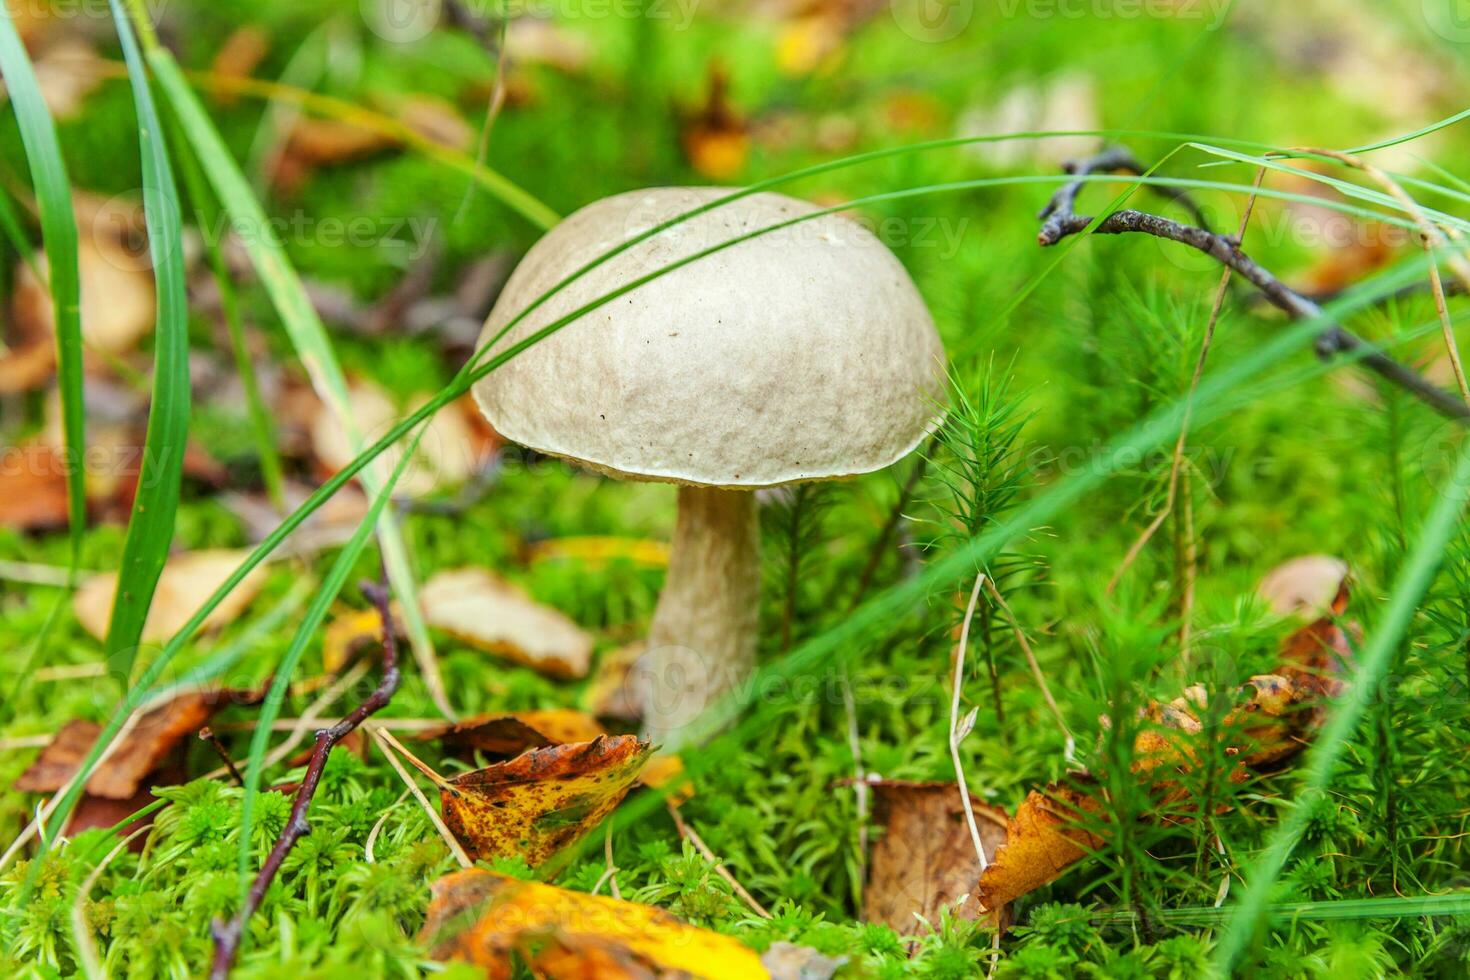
(925, 861)
(507, 736)
(487, 919)
(141, 752)
(490, 614)
(1307, 586)
(188, 580)
(543, 799)
(1044, 837)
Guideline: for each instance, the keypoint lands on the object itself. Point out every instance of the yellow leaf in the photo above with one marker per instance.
(598, 550)
(543, 799)
(484, 918)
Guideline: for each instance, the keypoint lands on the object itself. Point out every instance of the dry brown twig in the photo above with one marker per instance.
(228, 934)
(687, 832)
(958, 728)
(1061, 221)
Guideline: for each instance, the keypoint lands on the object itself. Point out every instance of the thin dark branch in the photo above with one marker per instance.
(206, 734)
(1061, 220)
(227, 935)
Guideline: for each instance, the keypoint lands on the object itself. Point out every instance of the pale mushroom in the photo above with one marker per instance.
(803, 354)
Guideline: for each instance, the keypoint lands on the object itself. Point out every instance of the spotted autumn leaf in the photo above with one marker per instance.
(543, 799)
(507, 736)
(925, 861)
(490, 921)
(490, 614)
(188, 580)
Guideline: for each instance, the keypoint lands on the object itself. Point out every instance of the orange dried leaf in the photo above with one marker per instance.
(488, 919)
(543, 799)
(1042, 840)
(925, 861)
(33, 489)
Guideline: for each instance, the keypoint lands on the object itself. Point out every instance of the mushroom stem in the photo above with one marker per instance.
(702, 641)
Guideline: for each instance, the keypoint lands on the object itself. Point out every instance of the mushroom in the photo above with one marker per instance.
(803, 354)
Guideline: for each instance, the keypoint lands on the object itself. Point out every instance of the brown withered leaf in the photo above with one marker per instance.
(33, 490)
(142, 750)
(487, 919)
(493, 615)
(542, 800)
(188, 580)
(716, 139)
(925, 861)
(1044, 837)
(1308, 586)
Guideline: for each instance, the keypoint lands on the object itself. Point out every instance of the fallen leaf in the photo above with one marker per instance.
(542, 800)
(487, 919)
(490, 614)
(117, 295)
(788, 961)
(1307, 586)
(715, 139)
(329, 527)
(436, 120)
(349, 633)
(188, 580)
(448, 451)
(1040, 841)
(925, 861)
(609, 694)
(537, 40)
(67, 72)
(1065, 103)
(33, 493)
(140, 751)
(597, 550)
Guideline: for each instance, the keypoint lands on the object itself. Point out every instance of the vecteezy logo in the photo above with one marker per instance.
(401, 21)
(932, 20)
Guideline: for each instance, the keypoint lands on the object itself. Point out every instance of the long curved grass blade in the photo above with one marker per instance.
(59, 238)
(151, 526)
(262, 424)
(1370, 665)
(1340, 910)
(305, 329)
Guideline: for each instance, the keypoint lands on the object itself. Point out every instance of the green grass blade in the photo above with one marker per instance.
(151, 526)
(59, 238)
(304, 328)
(262, 423)
(1371, 663)
(15, 234)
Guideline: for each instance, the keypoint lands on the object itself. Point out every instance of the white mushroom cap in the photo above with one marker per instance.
(804, 354)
